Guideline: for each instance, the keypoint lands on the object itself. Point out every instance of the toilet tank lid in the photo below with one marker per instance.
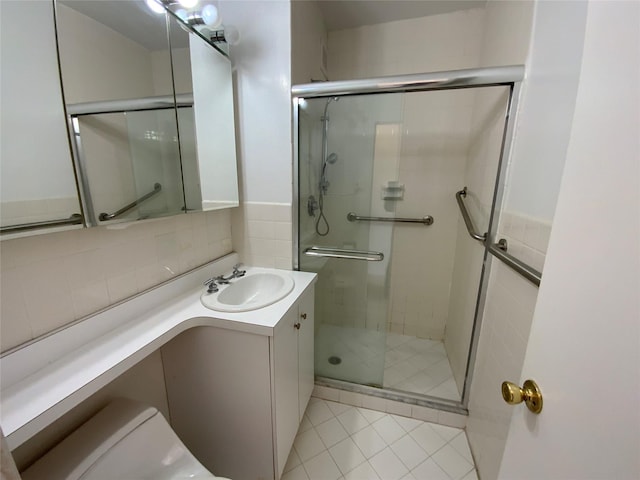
(80, 450)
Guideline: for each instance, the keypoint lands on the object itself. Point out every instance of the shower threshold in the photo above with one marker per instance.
(394, 395)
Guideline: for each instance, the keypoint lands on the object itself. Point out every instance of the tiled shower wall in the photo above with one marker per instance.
(527, 237)
(480, 177)
(48, 281)
(435, 136)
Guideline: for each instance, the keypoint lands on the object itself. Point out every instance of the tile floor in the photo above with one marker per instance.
(418, 365)
(397, 361)
(341, 442)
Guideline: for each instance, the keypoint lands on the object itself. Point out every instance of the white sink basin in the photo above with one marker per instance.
(255, 290)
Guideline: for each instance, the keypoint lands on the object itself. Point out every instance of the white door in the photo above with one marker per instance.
(584, 348)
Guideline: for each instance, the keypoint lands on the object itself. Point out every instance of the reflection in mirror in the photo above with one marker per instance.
(113, 62)
(38, 187)
(209, 165)
(129, 92)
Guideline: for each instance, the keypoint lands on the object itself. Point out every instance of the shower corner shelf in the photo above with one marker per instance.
(393, 190)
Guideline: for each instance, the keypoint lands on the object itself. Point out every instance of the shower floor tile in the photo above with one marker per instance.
(384, 359)
(390, 447)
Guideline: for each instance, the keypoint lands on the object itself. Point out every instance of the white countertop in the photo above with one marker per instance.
(45, 379)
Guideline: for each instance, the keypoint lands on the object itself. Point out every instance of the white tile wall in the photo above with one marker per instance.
(503, 341)
(50, 280)
(527, 237)
(262, 234)
(436, 133)
(480, 176)
(435, 136)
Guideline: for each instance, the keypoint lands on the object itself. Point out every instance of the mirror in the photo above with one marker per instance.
(133, 135)
(37, 183)
(139, 90)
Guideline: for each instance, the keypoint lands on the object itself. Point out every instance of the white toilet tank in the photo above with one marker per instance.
(124, 440)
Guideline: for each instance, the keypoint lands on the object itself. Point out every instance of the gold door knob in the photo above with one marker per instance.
(529, 393)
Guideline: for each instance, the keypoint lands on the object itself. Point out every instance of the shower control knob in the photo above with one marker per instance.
(303, 316)
(296, 326)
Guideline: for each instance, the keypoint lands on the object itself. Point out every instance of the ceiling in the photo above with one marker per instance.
(341, 14)
(134, 20)
(131, 18)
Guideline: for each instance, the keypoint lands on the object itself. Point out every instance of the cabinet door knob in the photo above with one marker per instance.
(296, 326)
(303, 316)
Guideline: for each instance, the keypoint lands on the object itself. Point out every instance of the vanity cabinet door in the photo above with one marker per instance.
(305, 351)
(285, 359)
(294, 378)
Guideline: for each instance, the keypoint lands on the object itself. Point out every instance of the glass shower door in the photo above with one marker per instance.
(155, 162)
(347, 148)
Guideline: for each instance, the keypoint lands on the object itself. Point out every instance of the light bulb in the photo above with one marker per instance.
(188, 3)
(231, 35)
(211, 17)
(155, 7)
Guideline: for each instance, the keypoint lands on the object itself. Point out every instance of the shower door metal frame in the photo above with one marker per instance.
(507, 76)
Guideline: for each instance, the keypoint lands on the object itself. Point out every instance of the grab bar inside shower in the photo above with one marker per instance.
(426, 220)
(467, 219)
(74, 219)
(109, 216)
(331, 252)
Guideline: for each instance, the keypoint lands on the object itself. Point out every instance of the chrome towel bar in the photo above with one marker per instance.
(331, 252)
(499, 250)
(467, 219)
(109, 216)
(426, 220)
(75, 219)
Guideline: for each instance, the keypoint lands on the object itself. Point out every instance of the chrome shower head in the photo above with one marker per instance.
(331, 159)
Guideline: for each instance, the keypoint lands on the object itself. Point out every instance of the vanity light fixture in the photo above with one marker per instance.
(158, 6)
(207, 17)
(229, 35)
(207, 20)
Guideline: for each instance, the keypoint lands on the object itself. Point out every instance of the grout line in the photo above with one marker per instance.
(387, 445)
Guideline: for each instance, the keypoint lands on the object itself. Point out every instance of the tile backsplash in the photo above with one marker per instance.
(262, 234)
(48, 281)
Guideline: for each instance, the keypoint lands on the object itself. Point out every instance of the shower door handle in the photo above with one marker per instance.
(331, 252)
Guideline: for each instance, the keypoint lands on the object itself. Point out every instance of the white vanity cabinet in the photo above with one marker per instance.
(294, 377)
(236, 398)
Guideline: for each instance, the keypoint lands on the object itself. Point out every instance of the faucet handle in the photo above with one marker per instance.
(211, 284)
(236, 270)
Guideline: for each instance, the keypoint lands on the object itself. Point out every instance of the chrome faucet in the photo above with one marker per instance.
(237, 273)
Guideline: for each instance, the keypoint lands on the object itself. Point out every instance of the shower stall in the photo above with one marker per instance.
(393, 174)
